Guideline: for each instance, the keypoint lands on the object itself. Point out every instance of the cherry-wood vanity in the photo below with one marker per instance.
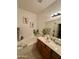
(48, 51)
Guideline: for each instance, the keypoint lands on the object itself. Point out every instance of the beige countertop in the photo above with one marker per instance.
(51, 44)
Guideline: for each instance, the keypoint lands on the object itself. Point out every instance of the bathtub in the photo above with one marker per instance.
(24, 47)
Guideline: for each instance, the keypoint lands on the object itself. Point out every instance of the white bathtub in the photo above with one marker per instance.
(24, 47)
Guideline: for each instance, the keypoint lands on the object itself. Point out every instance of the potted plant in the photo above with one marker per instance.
(46, 31)
(36, 32)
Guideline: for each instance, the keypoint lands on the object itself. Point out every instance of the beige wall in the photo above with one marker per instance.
(26, 30)
(44, 16)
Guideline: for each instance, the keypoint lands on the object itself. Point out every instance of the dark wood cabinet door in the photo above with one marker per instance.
(39, 46)
(54, 55)
(44, 50)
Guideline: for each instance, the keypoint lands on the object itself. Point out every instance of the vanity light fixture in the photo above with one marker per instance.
(56, 14)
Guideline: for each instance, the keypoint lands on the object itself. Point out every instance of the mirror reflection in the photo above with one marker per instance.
(55, 27)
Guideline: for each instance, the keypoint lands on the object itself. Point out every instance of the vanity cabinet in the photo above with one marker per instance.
(46, 52)
(54, 55)
(43, 50)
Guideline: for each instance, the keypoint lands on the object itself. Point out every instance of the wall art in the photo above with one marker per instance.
(25, 21)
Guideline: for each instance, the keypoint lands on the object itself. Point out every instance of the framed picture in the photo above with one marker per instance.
(25, 21)
(31, 25)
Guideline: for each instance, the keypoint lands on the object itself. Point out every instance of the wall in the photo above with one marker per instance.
(44, 16)
(25, 29)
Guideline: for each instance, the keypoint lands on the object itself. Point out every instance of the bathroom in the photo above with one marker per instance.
(38, 19)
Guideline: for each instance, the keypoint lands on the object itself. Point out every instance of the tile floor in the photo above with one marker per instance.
(32, 54)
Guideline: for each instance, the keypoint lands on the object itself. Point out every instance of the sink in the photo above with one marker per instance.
(56, 40)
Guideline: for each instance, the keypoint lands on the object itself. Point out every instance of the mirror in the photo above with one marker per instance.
(55, 26)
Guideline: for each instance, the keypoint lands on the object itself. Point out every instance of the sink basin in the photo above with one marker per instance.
(56, 40)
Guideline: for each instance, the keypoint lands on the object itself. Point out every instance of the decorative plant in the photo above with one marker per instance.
(46, 31)
(36, 32)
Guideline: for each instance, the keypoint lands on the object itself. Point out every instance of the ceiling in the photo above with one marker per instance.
(35, 6)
